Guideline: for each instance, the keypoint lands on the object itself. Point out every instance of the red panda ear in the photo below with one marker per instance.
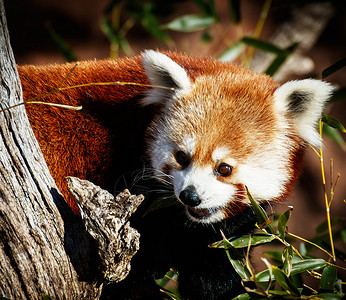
(303, 102)
(163, 71)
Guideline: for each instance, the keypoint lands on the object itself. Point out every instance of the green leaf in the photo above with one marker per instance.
(256, 239)
(269, 268)
(232, 52)
(285, 282)
(297, 267)
(244, 296)
(162, 282)
(276, 256)
(146, 15)
(333, 122)
(297, 280)
(172, 295)
(283, 218)
(262, 45)
(46, 297)
(278, 293)
(243, 241)
(261, 215)
(328, 278)
(115, 37)
(240, 267)
(338, 287)
(281, 54)
(190, 23)
(307, 264)
(206, 37)
(334, 135)
(287, 259)
(165, 283)
(333, 68)
(343, 235)
(302, 249)
(279, 60)
(238, 261)
(275, 65)
(321, 228)
(161, 202)
(234, 7)
(63, 47)
(207, 7)
(153, 27)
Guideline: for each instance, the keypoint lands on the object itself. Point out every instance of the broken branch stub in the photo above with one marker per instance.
(106, 220)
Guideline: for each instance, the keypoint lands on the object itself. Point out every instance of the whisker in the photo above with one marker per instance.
(271, 207)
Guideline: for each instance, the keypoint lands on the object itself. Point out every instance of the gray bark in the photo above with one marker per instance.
(106, 220)
(44, 247)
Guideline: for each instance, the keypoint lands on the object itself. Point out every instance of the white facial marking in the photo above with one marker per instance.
(220, 153)
(190, 144)
(160, 153)
(212, 193)
(265, 173)
(262, 183)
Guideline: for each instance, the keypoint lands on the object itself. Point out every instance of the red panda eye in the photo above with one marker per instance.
(182, 158)
(224, 170)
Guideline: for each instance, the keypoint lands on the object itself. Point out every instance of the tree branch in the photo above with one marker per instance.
(44, 247)
(106, 220)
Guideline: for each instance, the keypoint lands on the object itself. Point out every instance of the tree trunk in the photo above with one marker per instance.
(44, 247)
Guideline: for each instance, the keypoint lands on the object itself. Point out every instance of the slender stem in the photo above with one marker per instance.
(60, 89)
(68, 74)
(327, 203)
(258, 29)
(311, 243)
(285, 243)
(170, 278)
(333, 189)
(311, 272)
(314, 150)
(55, 104)
(331, 171)
(247, 260)
(310, 288)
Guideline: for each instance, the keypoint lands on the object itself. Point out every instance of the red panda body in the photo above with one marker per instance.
(214, 130)
(83, 143)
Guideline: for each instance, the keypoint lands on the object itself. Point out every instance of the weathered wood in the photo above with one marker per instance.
(106, 220)
(44, 247)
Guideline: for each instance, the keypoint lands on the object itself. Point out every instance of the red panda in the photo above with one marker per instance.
(213, 131)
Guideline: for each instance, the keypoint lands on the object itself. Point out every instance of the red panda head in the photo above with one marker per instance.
(226, 128)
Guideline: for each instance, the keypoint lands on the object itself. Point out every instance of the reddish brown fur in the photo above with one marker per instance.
(251, 124)
(79, 143)
(85, 143)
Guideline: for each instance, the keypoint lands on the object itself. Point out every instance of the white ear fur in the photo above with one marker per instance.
(163, 71)
(303, 101)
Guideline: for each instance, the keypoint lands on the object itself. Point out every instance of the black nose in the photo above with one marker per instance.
(189, 196)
